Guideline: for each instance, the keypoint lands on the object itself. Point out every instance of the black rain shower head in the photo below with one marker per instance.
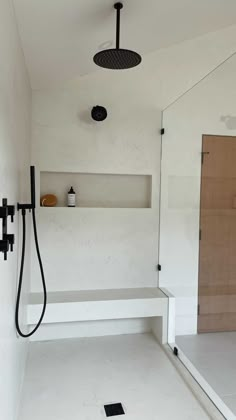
(117, 58)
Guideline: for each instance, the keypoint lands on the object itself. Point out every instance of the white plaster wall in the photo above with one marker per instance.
(15, 123)
(112, 248)
(86, 249)
(207, 109)
(97, 248)
(170, 72)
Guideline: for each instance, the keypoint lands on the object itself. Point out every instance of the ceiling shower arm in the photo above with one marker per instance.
(118, 29)
(118, 7)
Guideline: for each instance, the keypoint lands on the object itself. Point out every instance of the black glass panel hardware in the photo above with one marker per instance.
(7, 241)
(176, 351)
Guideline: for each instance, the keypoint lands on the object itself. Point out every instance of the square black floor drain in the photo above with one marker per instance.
(114, 409)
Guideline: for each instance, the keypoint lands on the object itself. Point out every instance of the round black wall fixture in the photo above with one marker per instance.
(99, 113)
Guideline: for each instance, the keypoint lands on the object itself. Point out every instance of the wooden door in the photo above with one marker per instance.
(217, 259)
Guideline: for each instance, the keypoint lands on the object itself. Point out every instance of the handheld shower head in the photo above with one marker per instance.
(23, 208)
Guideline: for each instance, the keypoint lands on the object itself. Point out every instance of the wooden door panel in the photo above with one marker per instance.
(217, 257)
(216, 323)
(215, 304)
(219, 193)
(222, 151)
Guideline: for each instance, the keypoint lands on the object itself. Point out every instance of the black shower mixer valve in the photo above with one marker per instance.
(11, 240)
(8, 240)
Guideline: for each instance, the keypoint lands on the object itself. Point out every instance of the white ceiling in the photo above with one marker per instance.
(60, 37)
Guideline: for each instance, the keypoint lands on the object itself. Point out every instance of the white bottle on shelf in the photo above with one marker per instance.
(71, 198)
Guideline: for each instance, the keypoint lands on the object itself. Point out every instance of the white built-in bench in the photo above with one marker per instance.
(96, 305)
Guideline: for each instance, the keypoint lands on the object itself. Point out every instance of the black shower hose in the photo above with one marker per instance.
(21, 276)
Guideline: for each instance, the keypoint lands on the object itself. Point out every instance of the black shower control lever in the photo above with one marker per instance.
(7, 239)
(3, 212)
(11, 240)
(11, 212)
(4, 247)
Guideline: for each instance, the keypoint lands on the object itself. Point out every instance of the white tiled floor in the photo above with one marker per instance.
(214, 356)
(73, 379)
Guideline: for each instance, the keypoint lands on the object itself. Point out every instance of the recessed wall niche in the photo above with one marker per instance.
(99, 190)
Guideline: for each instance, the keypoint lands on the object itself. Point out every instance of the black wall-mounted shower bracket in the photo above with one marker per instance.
(29, 206)
(8, 240)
